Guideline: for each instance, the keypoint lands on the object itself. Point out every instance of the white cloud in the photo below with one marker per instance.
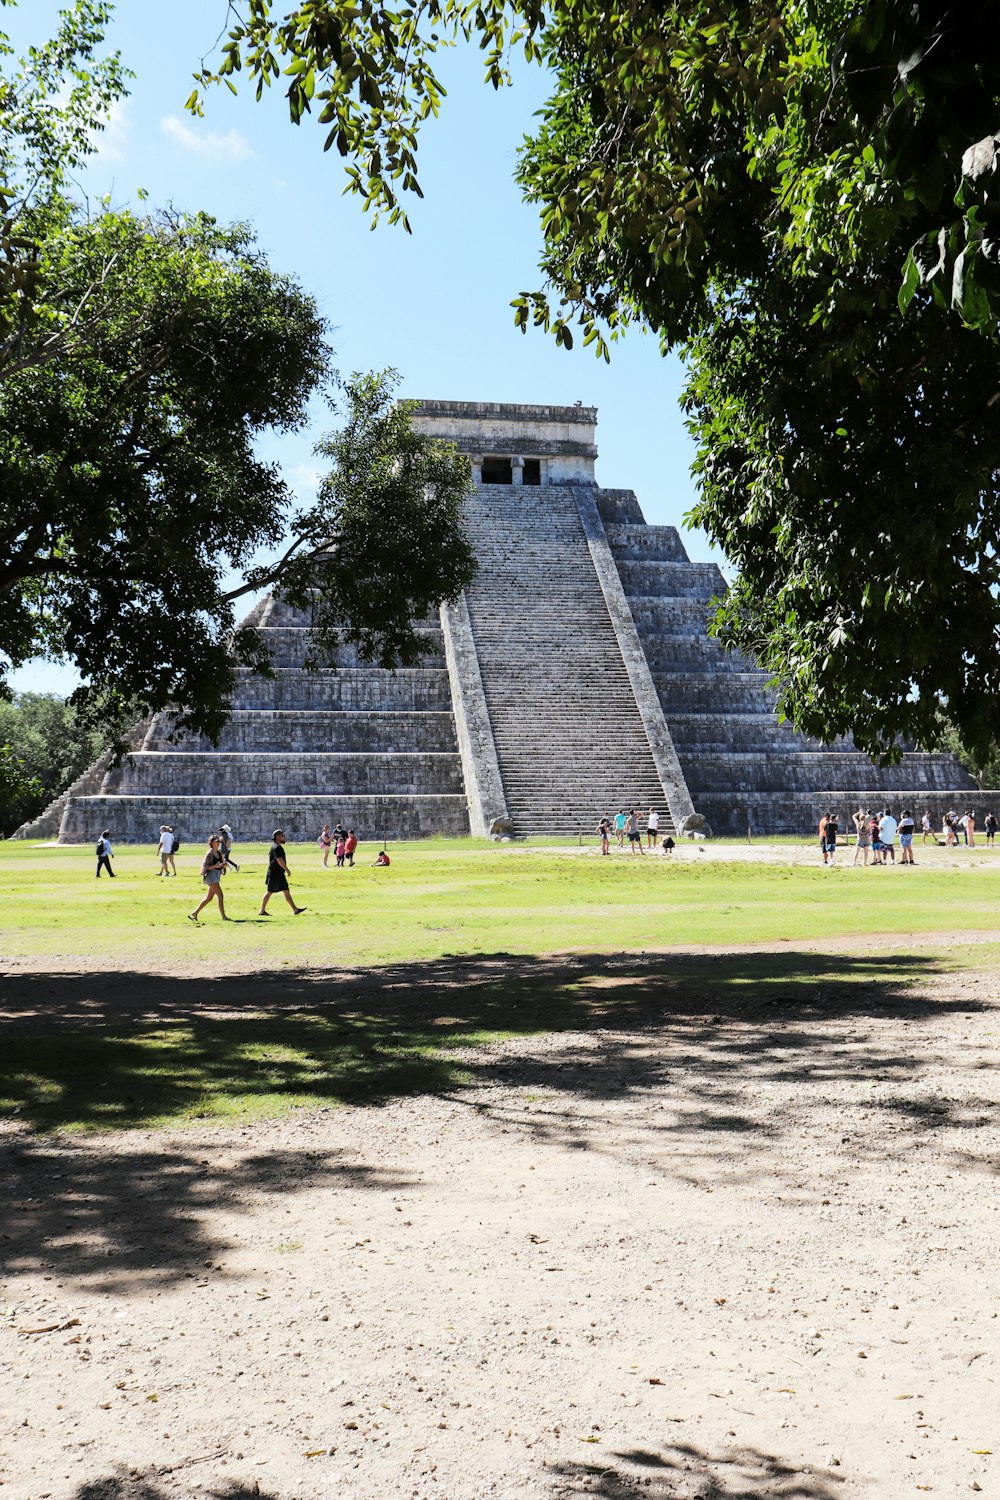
(305, 479)
(110, 143)
(231, 147)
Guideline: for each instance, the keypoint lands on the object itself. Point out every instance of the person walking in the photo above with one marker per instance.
(634, 836)
(277, 875)
(212, 866)
(165, 849)
(226, 846)
(652, 828)
(604, 829)
(906, 828)
(105, 854)
(325, 842)
(350, 844)
(926, 830)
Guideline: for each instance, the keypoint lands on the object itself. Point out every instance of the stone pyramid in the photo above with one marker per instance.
(575, 677)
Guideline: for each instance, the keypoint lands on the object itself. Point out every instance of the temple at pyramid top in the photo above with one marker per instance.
(509, 443)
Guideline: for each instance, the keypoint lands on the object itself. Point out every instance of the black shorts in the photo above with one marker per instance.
(635, 838)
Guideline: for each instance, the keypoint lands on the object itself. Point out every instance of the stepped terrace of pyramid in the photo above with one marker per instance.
(576, 676)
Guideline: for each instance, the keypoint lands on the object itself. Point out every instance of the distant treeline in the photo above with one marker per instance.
(45, 749)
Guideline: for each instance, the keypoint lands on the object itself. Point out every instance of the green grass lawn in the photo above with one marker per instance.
(458, 897)
(374, 989)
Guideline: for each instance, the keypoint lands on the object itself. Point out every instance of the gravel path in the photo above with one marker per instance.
(743, 1254)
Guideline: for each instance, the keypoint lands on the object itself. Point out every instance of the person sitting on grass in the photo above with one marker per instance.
(212, 867)
(668, 845)
(277, 875)
(383, 859)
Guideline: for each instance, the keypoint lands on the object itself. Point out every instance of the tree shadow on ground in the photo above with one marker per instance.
(132, 1217)
(682, 1470)
(694, 1047)
(127, 1485)
(121, 1049)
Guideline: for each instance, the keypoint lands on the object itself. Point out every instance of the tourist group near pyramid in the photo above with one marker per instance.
(575, 677)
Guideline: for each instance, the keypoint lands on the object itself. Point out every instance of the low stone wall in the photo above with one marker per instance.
(655, 579)
(279, 730)
(175, 773)
(799, 813)
(778, 773)
(630, 542)
(137, 820)
(414, 689)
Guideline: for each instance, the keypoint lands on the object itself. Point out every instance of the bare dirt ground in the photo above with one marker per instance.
(739, 1249)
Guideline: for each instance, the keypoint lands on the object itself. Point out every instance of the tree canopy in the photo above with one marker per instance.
(143, 355)
(804, 201)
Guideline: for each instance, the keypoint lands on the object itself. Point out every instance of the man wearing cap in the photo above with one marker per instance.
(165, 849)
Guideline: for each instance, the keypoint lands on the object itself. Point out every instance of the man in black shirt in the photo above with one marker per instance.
(277, 874)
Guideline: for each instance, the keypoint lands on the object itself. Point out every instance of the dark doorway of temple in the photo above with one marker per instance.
(497, 471)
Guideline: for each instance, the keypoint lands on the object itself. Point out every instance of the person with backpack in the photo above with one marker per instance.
(166, 849)
(105, 854)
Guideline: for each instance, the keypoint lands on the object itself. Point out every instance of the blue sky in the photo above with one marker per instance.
(434, 304)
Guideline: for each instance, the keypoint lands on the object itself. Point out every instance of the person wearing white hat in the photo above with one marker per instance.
(225, 847)
(165, 849)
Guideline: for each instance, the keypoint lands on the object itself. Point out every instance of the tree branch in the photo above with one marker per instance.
(272, 574)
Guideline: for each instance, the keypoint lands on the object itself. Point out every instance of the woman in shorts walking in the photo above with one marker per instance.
(212, 867)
